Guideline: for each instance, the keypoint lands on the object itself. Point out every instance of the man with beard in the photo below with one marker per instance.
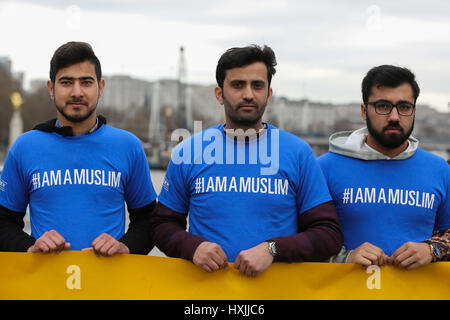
(392, 197)
(240, 210)
(76, 173)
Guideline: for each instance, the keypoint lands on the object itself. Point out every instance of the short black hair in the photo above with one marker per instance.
(71, 53)
(243, 56)
(389, 76)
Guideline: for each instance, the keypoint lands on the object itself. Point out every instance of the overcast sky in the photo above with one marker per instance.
(324, 48)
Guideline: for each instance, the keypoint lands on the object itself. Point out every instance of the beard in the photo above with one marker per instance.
(77, 117)
(390, 141)
(244, 119)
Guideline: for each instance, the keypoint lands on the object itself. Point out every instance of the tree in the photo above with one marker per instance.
(37, 107)
(7, 86)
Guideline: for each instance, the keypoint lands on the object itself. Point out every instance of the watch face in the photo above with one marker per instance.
(272, 248)
(436, 251)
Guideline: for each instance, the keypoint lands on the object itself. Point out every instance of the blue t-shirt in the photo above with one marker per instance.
(239, 194)
(77, 185)
(389, 202)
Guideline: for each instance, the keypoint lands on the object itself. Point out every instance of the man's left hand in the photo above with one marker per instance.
(254, 261)
(412, 255)
(106, 245)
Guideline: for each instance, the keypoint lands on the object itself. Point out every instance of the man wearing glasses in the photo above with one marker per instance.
(392, 197)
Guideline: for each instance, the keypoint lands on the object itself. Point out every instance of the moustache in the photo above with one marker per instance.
(242, 104)
(393, 126)
(79, 101)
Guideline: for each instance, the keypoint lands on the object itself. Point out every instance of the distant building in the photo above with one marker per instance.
(37, 85)
(160, 100)
(302, 117)
(124, 93)
(6, 64)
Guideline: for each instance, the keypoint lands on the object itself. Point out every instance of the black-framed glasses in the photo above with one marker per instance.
(384, 107)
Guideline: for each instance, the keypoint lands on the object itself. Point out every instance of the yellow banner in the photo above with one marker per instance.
(81, 275)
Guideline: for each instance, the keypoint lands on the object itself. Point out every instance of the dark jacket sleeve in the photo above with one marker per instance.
(170, 235)
(12, 236)
(138, 238)
(319, 237)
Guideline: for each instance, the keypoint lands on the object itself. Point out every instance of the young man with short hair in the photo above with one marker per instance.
(76, 173)
(247, 186)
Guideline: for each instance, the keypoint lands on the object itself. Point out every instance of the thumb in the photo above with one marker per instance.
(33, 248)
(87, 249)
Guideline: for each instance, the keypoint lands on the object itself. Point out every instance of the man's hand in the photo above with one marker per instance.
(412, 255)
(210, 257)
(51, 241)
(368, 254)
(254, 261)
(106, 245)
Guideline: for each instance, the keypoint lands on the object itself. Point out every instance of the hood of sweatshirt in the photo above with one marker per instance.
(50, 126)
(353, 144)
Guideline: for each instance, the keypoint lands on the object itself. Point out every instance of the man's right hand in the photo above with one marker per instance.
(368, 254)
(210, 257)
(51, 241)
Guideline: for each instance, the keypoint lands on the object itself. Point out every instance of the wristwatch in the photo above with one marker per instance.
(272, 247)
(436, 251)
